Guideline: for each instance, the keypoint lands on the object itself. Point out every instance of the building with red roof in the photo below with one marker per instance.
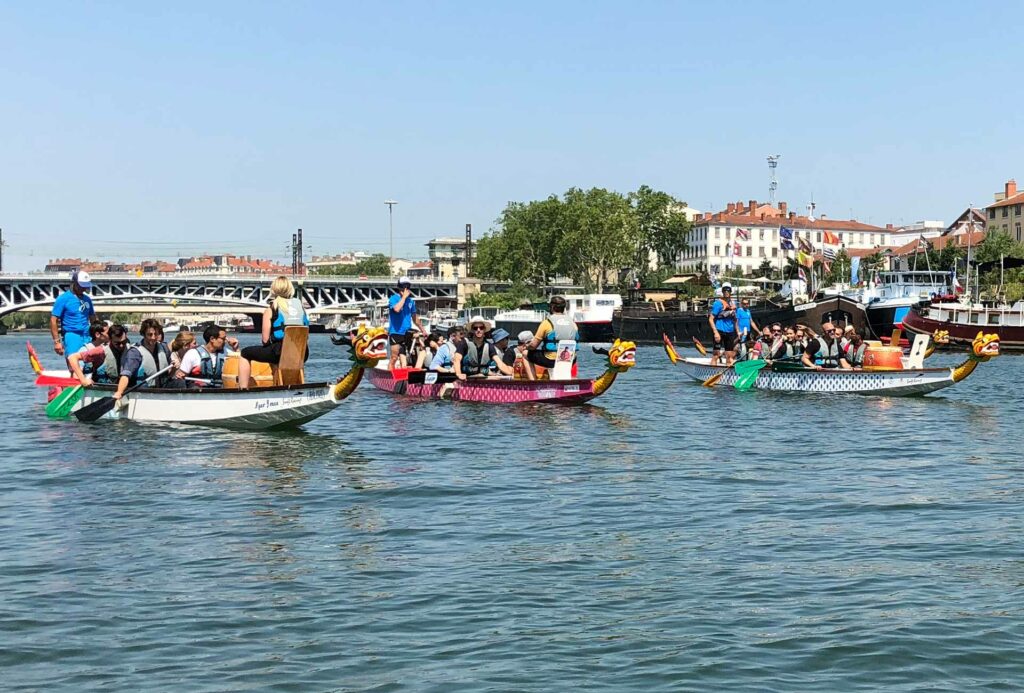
(743, 236)
(1004, 215)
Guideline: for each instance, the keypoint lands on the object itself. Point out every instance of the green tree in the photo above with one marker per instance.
(766, 269)
(662, 228)
(997, 245)
(523, 248)
(599, 235)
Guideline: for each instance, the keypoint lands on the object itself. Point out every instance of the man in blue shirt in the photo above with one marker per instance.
(71, 316)
(444, 359)
(401, 317)
(723, 326)
(745, 320)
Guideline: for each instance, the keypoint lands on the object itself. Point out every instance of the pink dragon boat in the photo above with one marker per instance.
(431, 385)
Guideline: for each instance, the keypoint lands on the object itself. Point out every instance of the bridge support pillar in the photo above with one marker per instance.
(468, 286)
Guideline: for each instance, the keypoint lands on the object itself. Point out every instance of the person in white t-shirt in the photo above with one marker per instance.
(204, 365)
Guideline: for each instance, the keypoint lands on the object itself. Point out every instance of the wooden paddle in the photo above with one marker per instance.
(91, 412)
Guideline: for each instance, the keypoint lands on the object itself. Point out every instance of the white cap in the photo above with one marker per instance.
(82, 278)
(525, 336)
(404, 280)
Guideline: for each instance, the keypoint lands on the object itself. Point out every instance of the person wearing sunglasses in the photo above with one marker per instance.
(113, 353)
(824, 351)
(475, 355)
(71, 316)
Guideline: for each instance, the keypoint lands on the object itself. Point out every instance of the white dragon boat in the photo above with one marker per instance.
(793, 377)
(256, 409)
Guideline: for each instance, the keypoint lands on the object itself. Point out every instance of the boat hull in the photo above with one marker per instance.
(902, 383)
(259, 409)
(488, 391)
(1011, 337)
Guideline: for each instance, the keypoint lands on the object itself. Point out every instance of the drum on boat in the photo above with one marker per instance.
(883, 358)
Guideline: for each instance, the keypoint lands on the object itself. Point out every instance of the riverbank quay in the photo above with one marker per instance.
(668, 537)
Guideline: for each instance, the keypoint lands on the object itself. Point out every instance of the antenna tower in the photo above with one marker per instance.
(773, 161)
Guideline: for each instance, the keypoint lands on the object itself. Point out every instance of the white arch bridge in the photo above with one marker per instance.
(219, 294)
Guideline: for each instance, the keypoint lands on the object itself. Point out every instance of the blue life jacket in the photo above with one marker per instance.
(207, 367)
(292, 315)
(564, 328)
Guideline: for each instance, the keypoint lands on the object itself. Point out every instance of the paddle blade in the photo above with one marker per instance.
(699, 347)
(673, 356)
(710, 382)
(61, 405)
(747, 371)
(33, 358)
(91, 412)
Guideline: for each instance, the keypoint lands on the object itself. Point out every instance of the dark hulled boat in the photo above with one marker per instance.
(646, 325)
(963, 322)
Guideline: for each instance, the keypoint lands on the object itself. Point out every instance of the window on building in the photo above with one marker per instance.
(750, 250)
(992, 213)
(1005, 229)
(716, 250)
(775, 252)
(1016, 210)
(760, 233)
(1006, 212)
(761, 253)
(872, 239)
(1018, 231)
(718, 235)
(818, 237)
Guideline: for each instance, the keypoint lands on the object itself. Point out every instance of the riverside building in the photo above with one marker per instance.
(743, 236)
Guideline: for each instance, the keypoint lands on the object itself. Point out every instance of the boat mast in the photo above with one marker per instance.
(970, 234)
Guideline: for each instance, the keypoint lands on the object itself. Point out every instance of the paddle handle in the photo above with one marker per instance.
(143, 383)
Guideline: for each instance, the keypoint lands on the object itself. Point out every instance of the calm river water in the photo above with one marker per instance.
(669, 537)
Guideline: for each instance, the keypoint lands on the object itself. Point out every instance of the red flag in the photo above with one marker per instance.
(831, 238)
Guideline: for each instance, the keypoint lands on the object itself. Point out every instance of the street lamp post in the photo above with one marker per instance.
(391, 234)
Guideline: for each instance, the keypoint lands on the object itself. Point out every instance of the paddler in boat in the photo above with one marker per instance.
(71, 316)
(521, 367)
(285, 310)
(145, 358)
(505, 355)
(724, 327)
(91, 356)
(203, 366)
(402, 316)
(543, 348)
(444, 357)
(113, 353)
(824, 352)
(855, 350)
(476, 353)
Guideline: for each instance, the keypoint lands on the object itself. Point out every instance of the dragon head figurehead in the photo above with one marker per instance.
(621, 356)
(985, 346)
(369, 345)
(941, 337)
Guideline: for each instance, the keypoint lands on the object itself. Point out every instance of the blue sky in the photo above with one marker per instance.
(135, 130)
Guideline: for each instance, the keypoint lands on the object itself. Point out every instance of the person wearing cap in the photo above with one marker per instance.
(71, 316)
(473, 357)
(521, 368)
(444, 357)
(724, 327)
(557, 326)
(401, 317)
(505, 354)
